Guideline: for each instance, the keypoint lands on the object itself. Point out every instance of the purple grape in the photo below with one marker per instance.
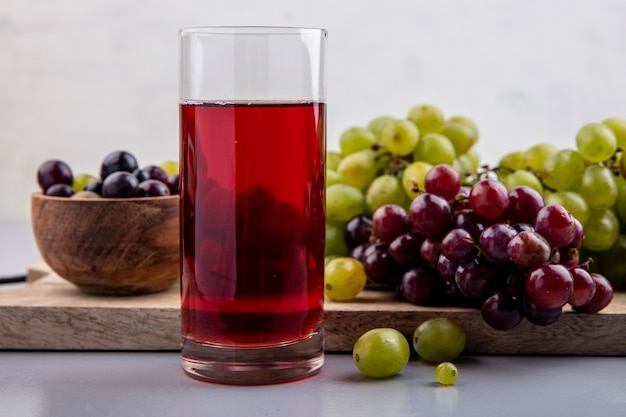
(53, 172)
(430, 215)
(528, 249)
(525, 203)
(390, 221)
(378, 264)
(173, 182)
(405, 249)
(59, 190)
(458, 245)
(358, 231)
(94, 186)
(494, 240)
(358, 251)
(540, 316)
(501, 310)
(549, 286)
(120, 184)
(523, 227)
(152, 188)
(470, 221)
(151, 172)
(418, 286)
(556, 224)
(447, 268)
(489, 198)
(430, 251)
(601, 298)
(475, 278)
(117, 161)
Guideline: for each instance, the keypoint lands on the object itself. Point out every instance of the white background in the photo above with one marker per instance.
(80, 78)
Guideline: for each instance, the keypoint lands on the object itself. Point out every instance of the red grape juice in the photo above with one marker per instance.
(252, 222)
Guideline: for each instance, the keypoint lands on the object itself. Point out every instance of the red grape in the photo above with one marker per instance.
(584, 287)
(601, 298)
(390, 221)
(556, 224)
(489, 198)
(443, 180)
(528, 249)
(549, 286)
(525, 203)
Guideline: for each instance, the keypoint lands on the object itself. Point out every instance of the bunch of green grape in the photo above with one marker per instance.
(386, 160)
(589, 180)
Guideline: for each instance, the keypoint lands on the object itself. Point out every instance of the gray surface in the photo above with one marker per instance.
(152, 384)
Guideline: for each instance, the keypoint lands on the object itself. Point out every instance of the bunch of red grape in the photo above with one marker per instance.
(120, 177)
(504, 252)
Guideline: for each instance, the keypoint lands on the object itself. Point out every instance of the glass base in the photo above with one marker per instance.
(252, 366)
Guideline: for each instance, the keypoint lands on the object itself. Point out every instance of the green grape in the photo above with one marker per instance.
(460, 135)
(511, 162)
(399, 137)
(620, 205)
(435, 149)
(523, 177)
(335, 242)
(427, 118)
(381, 352)
(344, 278)
(473, 155)
(171, 167)
(598, 187)
(357, 169)
(601, 230)
(467, 122)
(377, 124)
(81, 180)
(613, 262)
(464, 165)
(414, 175)
(596, 142)
(446, 373)
(356, 139)
(618, 126)
(439, 340)
(536, 155)
(332, 177)
(561, 170)
(343, 202)
(385, 189)
(621, 163)
(572, 202)
(332, 160)
(85, 194)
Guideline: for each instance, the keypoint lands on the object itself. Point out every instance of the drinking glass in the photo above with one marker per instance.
(252, 208)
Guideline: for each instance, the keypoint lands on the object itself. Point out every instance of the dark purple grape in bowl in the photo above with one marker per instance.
(120, 184)
(118, 161)
(152, 188)
(53, 172)
(59, 190)
(151, 172)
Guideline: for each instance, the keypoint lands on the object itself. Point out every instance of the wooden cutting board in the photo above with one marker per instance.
(49, 313)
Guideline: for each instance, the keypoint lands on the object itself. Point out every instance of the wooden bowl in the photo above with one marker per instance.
(109, 246)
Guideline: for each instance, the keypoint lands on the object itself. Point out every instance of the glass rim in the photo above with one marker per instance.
(250, 30)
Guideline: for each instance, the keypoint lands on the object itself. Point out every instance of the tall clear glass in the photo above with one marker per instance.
(252, 158)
